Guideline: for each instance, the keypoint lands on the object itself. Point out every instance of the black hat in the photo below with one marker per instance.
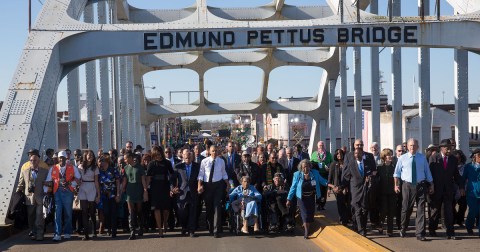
(477, 150)
(139, 147)
(34, 152)
(445, 143)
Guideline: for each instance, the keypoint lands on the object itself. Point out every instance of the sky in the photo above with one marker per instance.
(243, 84)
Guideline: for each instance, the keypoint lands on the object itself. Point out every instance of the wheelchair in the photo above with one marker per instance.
(236, 213)
(276, 221)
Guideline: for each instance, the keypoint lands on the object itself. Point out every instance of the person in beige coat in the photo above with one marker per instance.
(31, 184)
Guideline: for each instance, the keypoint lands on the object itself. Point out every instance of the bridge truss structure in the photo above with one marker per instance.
(129, 42)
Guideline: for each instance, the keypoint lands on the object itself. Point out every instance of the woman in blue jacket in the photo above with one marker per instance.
(306, 187)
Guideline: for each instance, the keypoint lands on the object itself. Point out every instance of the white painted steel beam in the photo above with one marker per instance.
(375, 84)
(461, 100)
(92, 96)
(124, 100)
(117, 132)
(74, 120)
(130, 101)
(357, 91)
(397, 86)
(344, 129)
(105, 87)
(425, 118)
(331, 115)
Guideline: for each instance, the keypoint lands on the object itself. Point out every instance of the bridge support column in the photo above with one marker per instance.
(375, 85)
(104, 87)
(343, 98)
(117, 133)
(397, 86)
(331, 115)
(123, 100)
(74, 120)
(425, 137)
(91, 80)
(357, 93)
(461, 100)
(136, 115)
(130, 101)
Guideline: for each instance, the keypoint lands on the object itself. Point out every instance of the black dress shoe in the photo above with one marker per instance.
(403, 234)
(192, 235)
(216, 235)
(184, 232)
(132, 237)
(305, 237)
(455, 238)
(421, 238)
(432, 233)
(389, 234)
(470, 231)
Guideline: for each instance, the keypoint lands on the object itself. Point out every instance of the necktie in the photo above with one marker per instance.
(414, 171)
(290, 165)
(188, 171)
(360, 168)
(444, 162)
(210, 177)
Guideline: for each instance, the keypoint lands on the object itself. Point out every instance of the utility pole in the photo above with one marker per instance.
(29, 15)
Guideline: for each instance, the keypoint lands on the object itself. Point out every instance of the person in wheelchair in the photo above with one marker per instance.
(245, 199)
(276, 198)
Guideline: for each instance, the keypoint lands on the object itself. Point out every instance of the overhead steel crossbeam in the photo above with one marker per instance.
(60, 42)
(265, 59)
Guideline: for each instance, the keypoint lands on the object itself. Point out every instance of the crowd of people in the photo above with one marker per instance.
(249, 190)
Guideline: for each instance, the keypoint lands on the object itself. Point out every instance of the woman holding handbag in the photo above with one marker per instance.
(89, 191)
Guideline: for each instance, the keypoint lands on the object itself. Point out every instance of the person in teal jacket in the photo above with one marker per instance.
(471, 174)
(306, 187)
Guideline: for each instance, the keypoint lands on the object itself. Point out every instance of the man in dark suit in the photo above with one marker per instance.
(185, 183)
(300, 154)
(443, 167)
(197, 158)
(368, 157)
(232, 162)
(292, 165)
(357, 175)
(173, 217)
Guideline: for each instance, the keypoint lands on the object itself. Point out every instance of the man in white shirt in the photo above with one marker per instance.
(212, 172)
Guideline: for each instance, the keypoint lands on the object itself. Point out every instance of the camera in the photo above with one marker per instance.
(31, 189)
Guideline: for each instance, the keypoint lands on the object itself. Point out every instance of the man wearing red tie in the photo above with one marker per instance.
(443, 167)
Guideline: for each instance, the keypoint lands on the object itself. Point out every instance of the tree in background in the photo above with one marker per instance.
(191, 125)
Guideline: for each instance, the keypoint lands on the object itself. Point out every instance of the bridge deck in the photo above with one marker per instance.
(172, 242)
